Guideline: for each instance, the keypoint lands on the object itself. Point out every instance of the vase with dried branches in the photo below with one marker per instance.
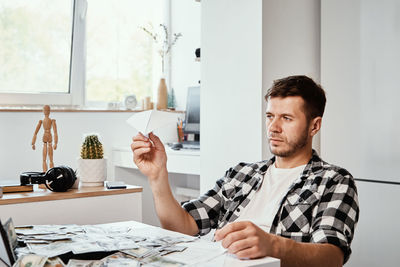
(164, 45)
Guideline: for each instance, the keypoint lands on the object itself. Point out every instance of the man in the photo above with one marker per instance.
(294, 207)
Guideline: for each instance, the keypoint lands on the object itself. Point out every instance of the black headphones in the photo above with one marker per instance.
(57, 179)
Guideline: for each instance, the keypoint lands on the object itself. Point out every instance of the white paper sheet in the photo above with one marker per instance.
(150, 120)
(198, 253)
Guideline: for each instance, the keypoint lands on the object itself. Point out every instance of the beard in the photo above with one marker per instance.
(292, 146)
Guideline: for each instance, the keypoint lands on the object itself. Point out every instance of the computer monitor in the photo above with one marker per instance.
(192, 118)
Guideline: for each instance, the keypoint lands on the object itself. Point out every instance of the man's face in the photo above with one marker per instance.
(287, 125)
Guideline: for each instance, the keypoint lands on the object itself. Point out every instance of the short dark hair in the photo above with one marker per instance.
(303, 86)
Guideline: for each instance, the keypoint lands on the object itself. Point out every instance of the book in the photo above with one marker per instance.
(14, 188)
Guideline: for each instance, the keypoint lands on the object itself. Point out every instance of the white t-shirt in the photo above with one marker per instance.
(264, 204)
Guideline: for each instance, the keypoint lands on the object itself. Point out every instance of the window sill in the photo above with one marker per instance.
(71, 109)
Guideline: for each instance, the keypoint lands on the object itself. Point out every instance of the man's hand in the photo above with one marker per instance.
(33, 146)
(246, 240)
(149, 155)
(55, 146)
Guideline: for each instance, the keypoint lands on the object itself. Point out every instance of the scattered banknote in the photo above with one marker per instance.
(84, 263)
(10, 230)
(36, 241)
(175, 248)
(121, 262)
(51, 241)
(85, 247)
(31, 260)
(49, 229)
(24, 227)
(54, 237)
(51, 250)
(177, 239)
(54, 262)
(139, 252)
(162, 262)
(120, 259)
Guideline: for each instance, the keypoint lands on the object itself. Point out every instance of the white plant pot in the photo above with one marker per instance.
(92, 172)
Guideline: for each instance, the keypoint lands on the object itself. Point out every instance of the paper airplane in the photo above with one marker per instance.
(150, 120)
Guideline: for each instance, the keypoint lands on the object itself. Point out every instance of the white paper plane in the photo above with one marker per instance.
(150, 120)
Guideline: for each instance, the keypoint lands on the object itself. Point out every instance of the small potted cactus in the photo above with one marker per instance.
(92, 167)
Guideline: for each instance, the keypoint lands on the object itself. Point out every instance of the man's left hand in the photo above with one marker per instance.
(246, 240)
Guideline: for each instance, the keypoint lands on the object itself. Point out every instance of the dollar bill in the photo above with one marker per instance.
(31, 260)
(35, 241)
(136, 238)
(24, 227)
(51, 250)
(139, 252)
(121, 262)
(54, 262)
(10, 230)
(177, 239)
(174, 248)
(20, 251)
(84, 263)
(162, 262)
(79, 248)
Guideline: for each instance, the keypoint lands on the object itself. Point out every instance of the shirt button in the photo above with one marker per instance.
(238, 209)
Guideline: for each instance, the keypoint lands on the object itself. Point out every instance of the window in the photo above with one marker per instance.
(120, 56)
(35, 48)
(69, 51)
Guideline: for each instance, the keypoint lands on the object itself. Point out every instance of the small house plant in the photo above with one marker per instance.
(92, 166)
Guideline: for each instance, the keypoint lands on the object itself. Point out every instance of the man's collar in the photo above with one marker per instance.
(313, 165)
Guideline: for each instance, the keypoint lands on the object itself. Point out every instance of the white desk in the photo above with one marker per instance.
(195, 250)
(182, 161)
(87, 205)
(222, 260)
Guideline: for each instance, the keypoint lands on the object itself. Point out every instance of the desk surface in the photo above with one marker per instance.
(195, 249)
(45, 194)
(200, 252)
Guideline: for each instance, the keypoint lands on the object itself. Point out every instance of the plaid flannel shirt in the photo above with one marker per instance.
(321, 206)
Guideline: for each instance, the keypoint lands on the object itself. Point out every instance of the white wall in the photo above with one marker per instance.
(231, 89)
(291, 45)
(245, 46)
(360, 67)
(185, 71)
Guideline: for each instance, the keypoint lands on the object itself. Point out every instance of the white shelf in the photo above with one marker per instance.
(183, 161)
(189, 192)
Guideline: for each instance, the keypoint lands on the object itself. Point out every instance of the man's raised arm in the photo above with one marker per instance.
(150, 157)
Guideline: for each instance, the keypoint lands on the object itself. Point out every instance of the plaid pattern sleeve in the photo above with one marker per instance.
(337, 213)
(206, 209)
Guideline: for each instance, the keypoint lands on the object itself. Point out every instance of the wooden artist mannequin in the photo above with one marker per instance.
(47, 137)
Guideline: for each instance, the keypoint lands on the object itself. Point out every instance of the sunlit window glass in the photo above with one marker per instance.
(120, 57)
(35, 46)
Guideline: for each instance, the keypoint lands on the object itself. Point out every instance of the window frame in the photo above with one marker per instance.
(76, 95)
